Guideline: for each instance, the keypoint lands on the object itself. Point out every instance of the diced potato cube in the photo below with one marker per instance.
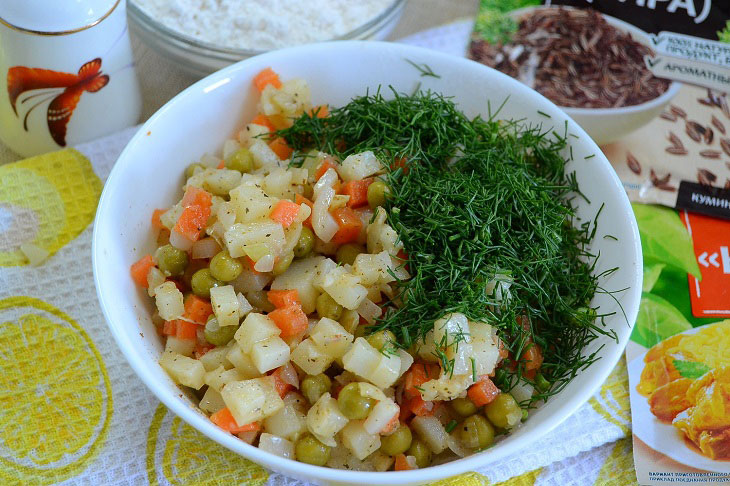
(221, 181)
(445, 387)
(288, 423)
(290, 100)
(486, 355)
(262, 154)
(278, 182)
(452, 333)
(251, 132)
(324, 418)
(169, 301)
(251, 203)
(244, 306)
(183, 370)
(180, 346)
(406, 360)
(225, 305)
(310, 358)
(427, 348)
(300, 276)
(217, 357)
(331, 337)
(270, 354)
(169, 218)
(386, 372)
(350, 320)
(256, 327)
(252, 400)
(373, 269)
(220, 376)
(358, 440)
(242, 362)
(276, 445)
(381, 414)
(359, 166)
(241, 235)
(362, 359)
(212, 401)
(155, 278)
(344, 288)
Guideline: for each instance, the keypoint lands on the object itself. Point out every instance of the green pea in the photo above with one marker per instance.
(398, 442)
(240, 160)
(420, 451)
(327, 307)
(305, 243)
(314, 386)
(348, 252)
(463, 406)
(379, 340)
(282, 265)
(476, 432)
(202, 282)
(190, 170)
(352, 404)
(310, 450)
(218, 335)
(225, 268)
(377, 192)
(171, 260)
(503, 411)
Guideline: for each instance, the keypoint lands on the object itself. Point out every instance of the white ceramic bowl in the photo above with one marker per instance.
(606, 125)
(201, 58)
(149, 175)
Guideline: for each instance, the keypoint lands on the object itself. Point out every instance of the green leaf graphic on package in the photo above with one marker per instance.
(493, 23)
(690, 369)
(665, 239)
(657, 320)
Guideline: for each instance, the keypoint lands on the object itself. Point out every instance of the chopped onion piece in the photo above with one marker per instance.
(382, 413)
(179, 241)
(522, 391)
(265, 264)
(430, 430)
(289, 375)
(323, 223)
(205, 248)
(369, 311)
(244, 306)
(276, 445)
(456, 446)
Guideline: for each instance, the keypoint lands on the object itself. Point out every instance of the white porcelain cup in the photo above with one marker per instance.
(67, 73)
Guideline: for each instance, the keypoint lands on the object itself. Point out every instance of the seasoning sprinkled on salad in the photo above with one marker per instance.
(381, 286)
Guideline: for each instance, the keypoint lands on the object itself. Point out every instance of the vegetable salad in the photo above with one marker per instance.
(272, 277)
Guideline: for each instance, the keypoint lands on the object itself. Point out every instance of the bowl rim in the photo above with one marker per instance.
(671, 92)
(298, 469)
(138, 14)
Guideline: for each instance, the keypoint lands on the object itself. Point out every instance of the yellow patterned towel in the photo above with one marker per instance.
(73, 411)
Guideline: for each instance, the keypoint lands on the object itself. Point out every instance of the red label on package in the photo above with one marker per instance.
(710, 296)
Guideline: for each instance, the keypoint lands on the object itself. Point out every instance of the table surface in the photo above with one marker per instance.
(161, 79)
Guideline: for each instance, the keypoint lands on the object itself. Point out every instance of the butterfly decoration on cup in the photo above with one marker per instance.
(22, 79)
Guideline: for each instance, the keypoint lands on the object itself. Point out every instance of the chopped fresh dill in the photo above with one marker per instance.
(610, 237)
(543, 114)
(450, 426)
(424, 69)
(477, 199)
(473, 369)
(589, 156)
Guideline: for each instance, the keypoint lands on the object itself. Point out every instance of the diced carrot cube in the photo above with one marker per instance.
(224, 419)
(324, 167)
(197, 309)
(401, 464)
(417, 375)
(201, 349)
(349, 225)
(140, 269)
(483, 392)
(321, 111)
(194, 196)
(358, 192)
(533, 357)
(282, 388)
(291, 320)
(400, 163)
(266, 77)
(285, 212)
(264, 121)
(419, 406)
(186, 330)
(156, 221)
(281, 148)
(284, 298)
(221, 164)
(169, 328)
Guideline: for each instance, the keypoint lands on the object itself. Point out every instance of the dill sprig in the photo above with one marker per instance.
(478, 199)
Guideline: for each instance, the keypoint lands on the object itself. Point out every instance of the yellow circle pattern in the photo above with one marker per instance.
(612, 403)
(188, 457)
(61, 191)
(55, 394)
